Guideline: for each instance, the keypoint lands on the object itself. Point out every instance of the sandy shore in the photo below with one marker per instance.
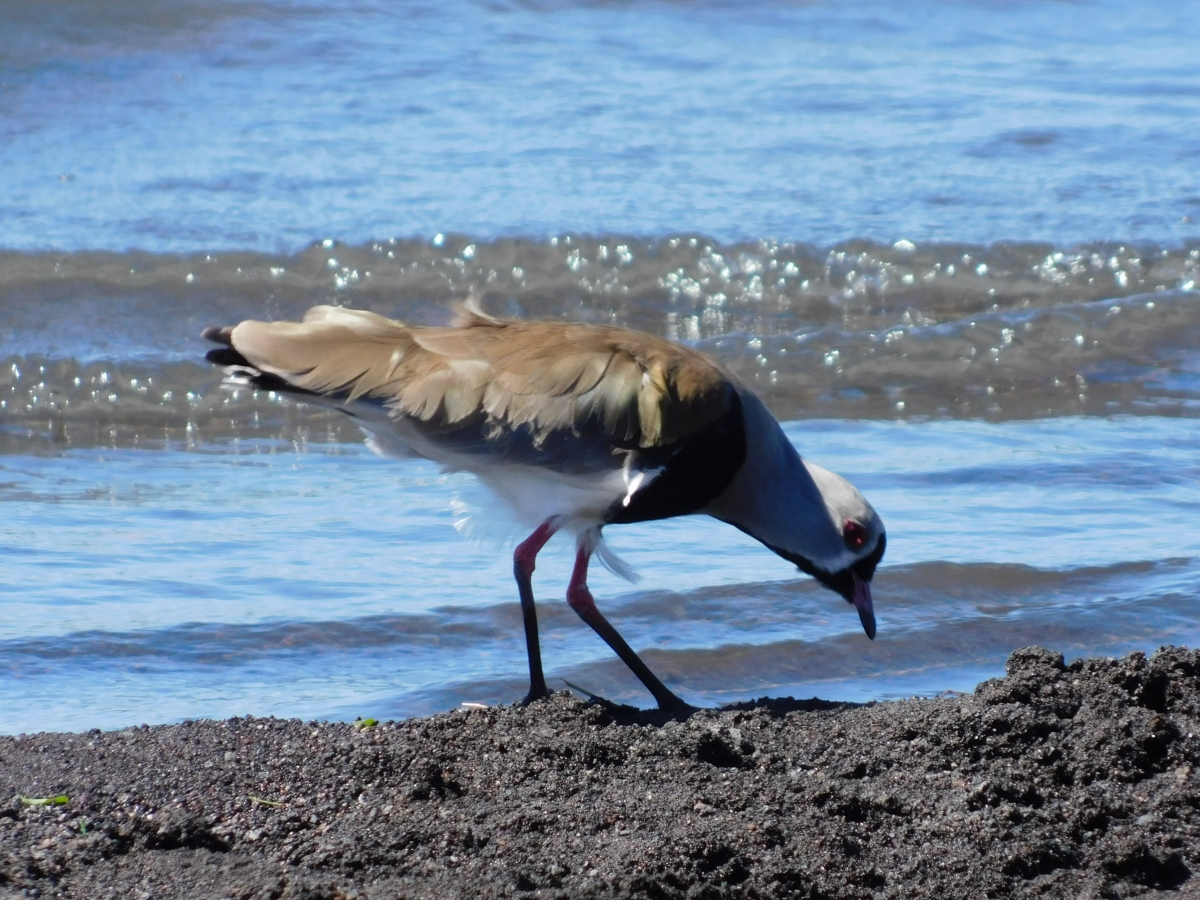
(1054, 781)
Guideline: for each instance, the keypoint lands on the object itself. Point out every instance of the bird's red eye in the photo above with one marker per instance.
(854, 535)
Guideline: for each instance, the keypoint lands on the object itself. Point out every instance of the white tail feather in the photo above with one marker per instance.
(484, 522)
(607, 557)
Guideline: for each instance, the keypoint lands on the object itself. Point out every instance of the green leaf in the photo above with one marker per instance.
(60, 800)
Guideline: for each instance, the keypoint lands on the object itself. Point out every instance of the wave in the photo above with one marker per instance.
(103, 348)
(965, 636)
(913, 599)
(942, 627)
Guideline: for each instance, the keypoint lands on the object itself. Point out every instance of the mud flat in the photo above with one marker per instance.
(1055, 781)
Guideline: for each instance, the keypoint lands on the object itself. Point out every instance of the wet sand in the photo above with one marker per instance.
(1055, 781)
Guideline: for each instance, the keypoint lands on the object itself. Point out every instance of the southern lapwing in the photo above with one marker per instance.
(575, 427)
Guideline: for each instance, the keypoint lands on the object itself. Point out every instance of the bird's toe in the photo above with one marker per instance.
(675, 705)
(533, 696)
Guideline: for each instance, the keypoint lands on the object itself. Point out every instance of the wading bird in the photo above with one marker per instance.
(575, 427)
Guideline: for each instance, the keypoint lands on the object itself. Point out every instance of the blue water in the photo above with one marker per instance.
(214, 124)
(955, 245)
(163, 584)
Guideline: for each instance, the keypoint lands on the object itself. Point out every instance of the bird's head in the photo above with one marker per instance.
(841, 548)
(808, 515)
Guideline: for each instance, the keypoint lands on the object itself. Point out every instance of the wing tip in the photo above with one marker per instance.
(227, 356)
(222, 334)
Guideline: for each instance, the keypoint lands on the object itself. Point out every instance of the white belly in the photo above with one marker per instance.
(531, 493)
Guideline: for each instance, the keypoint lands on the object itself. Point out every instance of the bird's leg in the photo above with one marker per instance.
(581, 600)
(524, 562)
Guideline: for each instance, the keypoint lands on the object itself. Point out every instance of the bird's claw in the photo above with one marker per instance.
(533, 696)
(596, 699)
(679, 706)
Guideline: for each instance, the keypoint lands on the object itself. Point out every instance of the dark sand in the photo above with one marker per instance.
(1055, 781)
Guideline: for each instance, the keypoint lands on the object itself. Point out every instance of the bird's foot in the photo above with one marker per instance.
(668, 703)
(532, 696)
(535, 693)
(597, 700)
(672, 704)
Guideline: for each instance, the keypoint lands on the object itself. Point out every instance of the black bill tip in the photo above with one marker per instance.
(862, 602)
(867, 617)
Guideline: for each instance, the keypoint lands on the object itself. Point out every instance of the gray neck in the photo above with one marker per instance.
(773, 497)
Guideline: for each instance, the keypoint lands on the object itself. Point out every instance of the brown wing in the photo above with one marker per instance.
(555, 389)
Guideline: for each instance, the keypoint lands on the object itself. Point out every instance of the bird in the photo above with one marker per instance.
(574, 427)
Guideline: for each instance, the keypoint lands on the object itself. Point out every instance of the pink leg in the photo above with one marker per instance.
(524, 562)
(581, 600)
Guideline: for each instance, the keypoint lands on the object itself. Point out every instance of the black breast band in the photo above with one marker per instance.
(695, 471)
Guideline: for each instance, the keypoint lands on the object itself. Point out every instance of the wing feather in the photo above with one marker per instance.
(540, 390)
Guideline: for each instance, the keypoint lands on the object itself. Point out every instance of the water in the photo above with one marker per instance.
(258, 577)
(953, 244)
(219, 124)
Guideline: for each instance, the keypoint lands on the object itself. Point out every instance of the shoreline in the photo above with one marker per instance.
(1053, 781)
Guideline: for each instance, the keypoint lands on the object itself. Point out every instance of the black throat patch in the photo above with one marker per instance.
(841, 582)
(694, 471)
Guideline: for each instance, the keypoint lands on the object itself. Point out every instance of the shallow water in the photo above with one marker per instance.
(162, 584)
(955, 245)
(103, 348)
(217, 124)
